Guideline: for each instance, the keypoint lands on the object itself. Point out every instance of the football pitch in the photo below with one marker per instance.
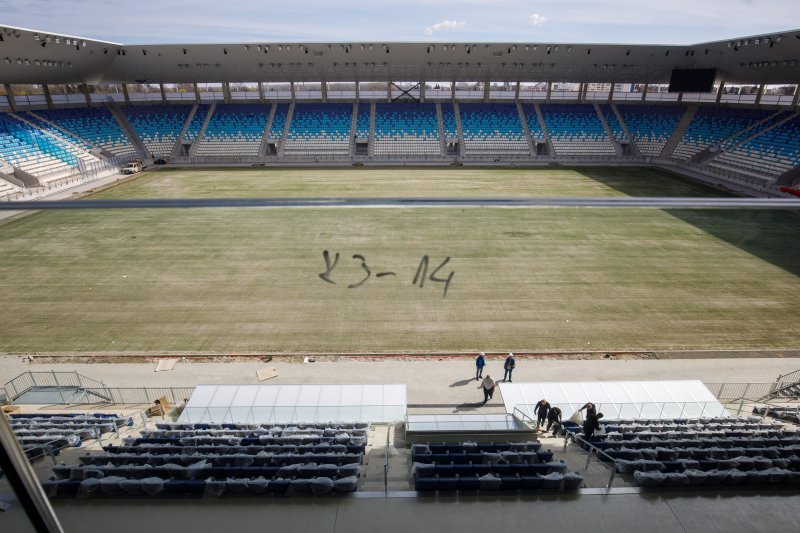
(373, 280)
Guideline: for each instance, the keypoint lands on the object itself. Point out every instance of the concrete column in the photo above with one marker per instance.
(486, 86)
(761, 89)
(261, 92)
(720, 91)
(422, 91)
(163, 94)
(388, 91)
(47, 96)
(358, 91)
(581, 87)
(516, 92)
(680, 98)
(644, 91)
(125, 93)
(611, 94)
(549, 90)
(324, 87)
(12, 104)
(796, 98)
(226, 92)
(196, 93)
(453, 91)
(291, 89)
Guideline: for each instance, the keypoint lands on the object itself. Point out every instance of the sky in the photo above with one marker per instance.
(578, 21)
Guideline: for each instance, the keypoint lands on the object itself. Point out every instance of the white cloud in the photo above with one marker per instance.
(536, 19)
(445, 25)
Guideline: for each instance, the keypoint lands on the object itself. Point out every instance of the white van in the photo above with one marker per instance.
(132, 168)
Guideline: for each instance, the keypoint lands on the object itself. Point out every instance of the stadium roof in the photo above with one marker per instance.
(30, 56)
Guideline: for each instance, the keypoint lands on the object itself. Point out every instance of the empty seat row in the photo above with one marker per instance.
(553, 481)
(203, 469)
(211, 487)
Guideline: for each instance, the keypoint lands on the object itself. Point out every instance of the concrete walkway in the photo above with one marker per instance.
(430, 383)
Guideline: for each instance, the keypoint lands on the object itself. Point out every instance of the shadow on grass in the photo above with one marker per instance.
(770, 235)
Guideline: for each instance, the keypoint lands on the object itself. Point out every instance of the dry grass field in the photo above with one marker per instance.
(224, 280)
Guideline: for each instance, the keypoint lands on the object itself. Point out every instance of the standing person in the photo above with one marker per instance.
(541, 410)
(590, 409)
(480, 362)
(488, 388)
(590, 425)
(554, 419)
(508, 366)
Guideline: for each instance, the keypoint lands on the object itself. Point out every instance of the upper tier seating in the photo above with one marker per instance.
(766, 156)
(712, 125)
(473, 466)
(41, 433)
(613, 122)
(708, 451)
(537, 133)
(196, 124)
(362, 122)
(492, 130)
(449, 122)
(158, 126)
(94, 124)
(221, 459)
(651, 125)
(319, 129)
(406, 129)
(34, 150)
(235, 130)
(575, 129)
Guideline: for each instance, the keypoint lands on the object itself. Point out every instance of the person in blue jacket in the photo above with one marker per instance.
(480, 362)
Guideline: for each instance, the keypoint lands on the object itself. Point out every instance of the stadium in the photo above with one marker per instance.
(246, 283)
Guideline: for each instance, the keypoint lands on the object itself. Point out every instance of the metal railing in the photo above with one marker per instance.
(140, 395)
(736, 391)
(85, 390)
(593, 451)
(787, 379)
(29, 380)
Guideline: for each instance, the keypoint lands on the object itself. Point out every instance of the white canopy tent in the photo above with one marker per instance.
(617, 399)
(295, 403)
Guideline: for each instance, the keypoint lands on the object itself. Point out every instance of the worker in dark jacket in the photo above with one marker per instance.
(540, 410)
(553, 418)
(590, 409)
(590, 425)
(480, 362)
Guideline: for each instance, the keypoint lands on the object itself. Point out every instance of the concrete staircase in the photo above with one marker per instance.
(614, 142)
(176, 148)
(193, 149)
(526, 129)
(371, 148)
(632, 148)
(543, 124)
(353, 127)
(459, 130)
(677, 134)
(753, 131)
(286, 126)
(126, 126)
(440, 123)
(262, 150)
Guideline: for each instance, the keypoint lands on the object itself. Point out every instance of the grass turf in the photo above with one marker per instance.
(225, 280)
